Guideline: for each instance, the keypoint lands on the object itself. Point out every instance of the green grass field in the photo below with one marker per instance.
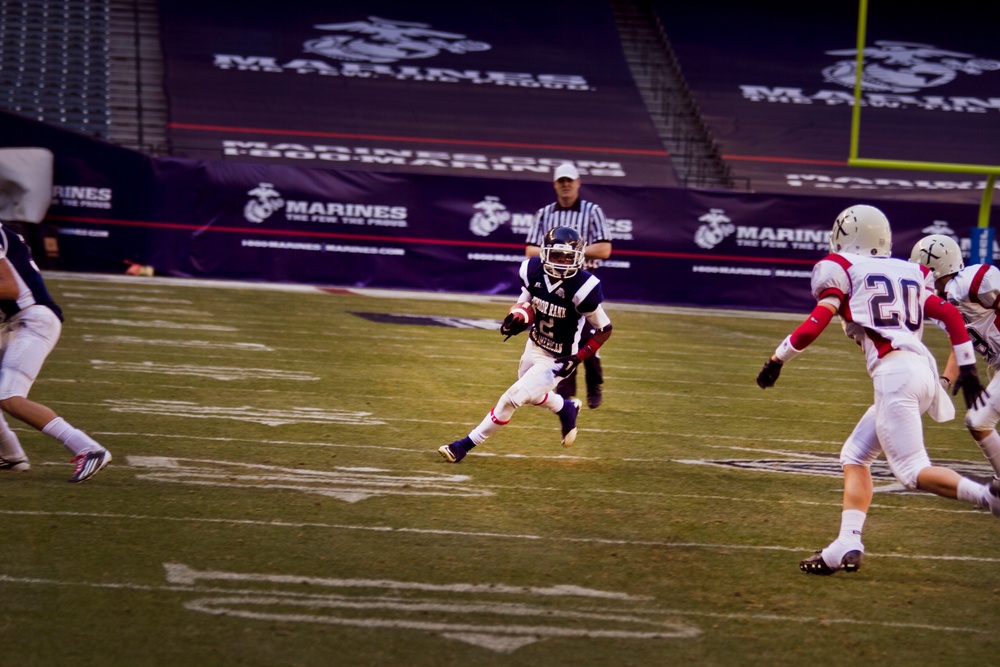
(276, 497)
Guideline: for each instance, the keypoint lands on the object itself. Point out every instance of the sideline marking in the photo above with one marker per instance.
(828, 465)
(408, 295)
(881, 489)
(158, 324)
(499, 625)
(143, 309)
(723, 549)
(201, 344)
(973, 469)
(124, 295)
(224, 373)
(431, 321)
(349, 484)
(178, 573)
(269, 417)
(499, 638)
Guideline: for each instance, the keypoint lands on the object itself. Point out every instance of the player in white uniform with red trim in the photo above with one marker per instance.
(882, 303)
(975, 291)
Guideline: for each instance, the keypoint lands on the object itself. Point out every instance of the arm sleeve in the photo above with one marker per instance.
(811, 327)
(939, 309)
(807, 332)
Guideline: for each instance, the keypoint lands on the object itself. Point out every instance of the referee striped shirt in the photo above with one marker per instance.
(585, 217)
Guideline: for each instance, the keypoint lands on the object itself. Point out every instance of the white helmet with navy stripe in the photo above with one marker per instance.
(862, 230)
(939, 253)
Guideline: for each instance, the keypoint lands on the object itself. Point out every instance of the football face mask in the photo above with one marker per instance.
(562, 253)
(562, 261)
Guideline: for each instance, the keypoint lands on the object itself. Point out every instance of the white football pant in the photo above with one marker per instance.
(905, 387)
(26, 339)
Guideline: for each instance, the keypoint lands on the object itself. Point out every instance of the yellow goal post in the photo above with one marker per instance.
(991, 171)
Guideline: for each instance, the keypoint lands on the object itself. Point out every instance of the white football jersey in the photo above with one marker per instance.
(975, 291)
(882, 301)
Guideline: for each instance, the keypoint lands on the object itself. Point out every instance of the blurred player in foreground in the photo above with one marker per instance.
(975, 291)
(558, 299)
(30, 324)
(882, 303)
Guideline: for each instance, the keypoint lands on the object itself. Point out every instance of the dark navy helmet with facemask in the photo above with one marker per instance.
(562, 252)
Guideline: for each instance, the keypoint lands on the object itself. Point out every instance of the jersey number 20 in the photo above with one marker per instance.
(894, 302)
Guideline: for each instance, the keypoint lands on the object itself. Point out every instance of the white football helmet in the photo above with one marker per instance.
(938, 253)
(862, 230)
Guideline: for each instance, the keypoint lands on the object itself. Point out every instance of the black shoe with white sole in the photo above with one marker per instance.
(851, 562)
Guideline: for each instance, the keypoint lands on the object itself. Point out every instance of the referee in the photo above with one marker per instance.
(588, 220)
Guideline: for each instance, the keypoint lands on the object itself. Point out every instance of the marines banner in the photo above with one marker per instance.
(278, 223)
(505, 90)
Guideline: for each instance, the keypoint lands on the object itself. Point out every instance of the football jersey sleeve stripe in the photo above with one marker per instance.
(585, 290)
(977, 283)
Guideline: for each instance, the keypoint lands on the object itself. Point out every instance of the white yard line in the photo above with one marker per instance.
(139, 282)
(279, 597)
(722, 548)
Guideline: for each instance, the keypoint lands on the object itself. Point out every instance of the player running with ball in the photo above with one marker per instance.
(558, 299)
(883, 303)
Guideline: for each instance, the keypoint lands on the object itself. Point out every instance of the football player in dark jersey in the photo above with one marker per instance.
(30, 324)
(586, 217)
(558, 299)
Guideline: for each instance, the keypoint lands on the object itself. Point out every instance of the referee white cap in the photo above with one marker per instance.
(566, 170)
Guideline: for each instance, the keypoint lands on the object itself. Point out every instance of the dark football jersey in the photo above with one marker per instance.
(34, 291)
(560, 306)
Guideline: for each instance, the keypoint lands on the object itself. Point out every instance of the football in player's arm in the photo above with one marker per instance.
(558, 298)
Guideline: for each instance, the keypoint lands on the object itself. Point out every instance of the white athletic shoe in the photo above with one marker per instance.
(567, 418)
(88, 464)
(17, 465)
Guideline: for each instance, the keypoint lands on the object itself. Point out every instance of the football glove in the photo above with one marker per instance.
(972, 388)
(567, 365)
(769, 374)
(512, 325)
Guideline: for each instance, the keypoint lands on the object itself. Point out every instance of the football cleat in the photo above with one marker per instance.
(17, 465)
(457, 450)
(851, 562)
(993, 496)
(89, 464)
(567, 417)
